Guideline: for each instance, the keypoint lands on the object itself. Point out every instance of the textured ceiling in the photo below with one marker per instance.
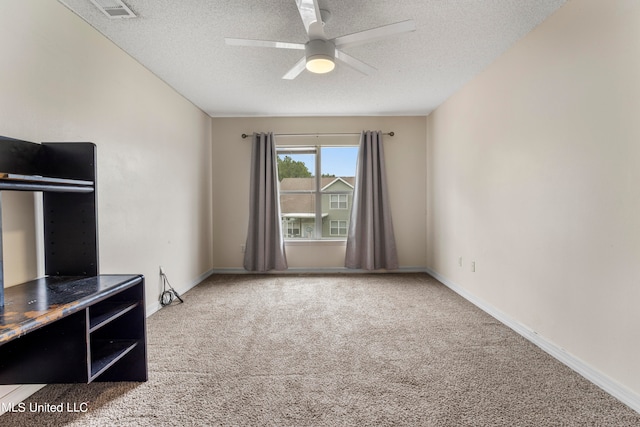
(182, 42)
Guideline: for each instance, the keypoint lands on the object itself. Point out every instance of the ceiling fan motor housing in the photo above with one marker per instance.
(320, 53)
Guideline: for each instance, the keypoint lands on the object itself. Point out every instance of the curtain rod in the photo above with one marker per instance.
(244, 135)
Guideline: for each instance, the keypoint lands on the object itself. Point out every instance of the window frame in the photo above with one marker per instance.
(291, 226)
(338, 202)
(316, 150)
(339, 227)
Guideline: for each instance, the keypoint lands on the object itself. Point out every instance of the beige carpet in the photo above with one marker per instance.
(341, 350)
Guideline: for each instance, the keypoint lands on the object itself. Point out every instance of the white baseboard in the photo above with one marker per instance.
(17, 395)
(320, 270)
(615, 389)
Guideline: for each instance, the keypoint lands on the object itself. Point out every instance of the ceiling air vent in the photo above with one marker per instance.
(114, 9)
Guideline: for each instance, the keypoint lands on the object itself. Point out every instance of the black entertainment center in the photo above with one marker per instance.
(73, 324)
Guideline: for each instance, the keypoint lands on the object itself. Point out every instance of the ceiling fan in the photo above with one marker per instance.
(320, 52)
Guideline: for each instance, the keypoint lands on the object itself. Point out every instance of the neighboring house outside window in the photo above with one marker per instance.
(337, 206)
(297, 203)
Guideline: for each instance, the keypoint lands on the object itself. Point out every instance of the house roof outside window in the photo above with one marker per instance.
(302, 204)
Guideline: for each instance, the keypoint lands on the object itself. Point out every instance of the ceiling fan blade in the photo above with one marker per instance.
(263, 43)
(296, 69)
(354, 63)
(367, 36)
(311, 18)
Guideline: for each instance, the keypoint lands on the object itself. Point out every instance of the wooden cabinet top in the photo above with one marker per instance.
(36, 303)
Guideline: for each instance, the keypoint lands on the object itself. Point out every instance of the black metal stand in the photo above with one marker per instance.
(168, 295)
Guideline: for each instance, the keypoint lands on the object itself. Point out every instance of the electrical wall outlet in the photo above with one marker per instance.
(242, 248)
(473, 266)
(460, 261)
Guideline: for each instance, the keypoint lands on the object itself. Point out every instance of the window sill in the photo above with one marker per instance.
(323, 242)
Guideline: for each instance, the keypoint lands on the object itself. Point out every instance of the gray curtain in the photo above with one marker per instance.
(264, 250)
(371, 243)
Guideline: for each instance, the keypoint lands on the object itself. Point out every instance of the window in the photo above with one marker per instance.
(338, 228)
(293, 227)
(316, 188)
(339, 201)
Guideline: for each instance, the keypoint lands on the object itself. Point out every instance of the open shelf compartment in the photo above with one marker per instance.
(102, 314)
(105, 353)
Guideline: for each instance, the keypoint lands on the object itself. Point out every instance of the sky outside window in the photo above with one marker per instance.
(338, 161)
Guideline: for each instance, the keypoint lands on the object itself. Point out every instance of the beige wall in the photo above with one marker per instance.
(406, 175)
(62, 81)
(534, 174)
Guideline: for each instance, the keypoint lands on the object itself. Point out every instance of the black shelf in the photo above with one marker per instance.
(19, 182)
(15, 177)
(102, 314)
(34, 304)
(65, 173)
(107, 353)
(50, 188)
(73, 329)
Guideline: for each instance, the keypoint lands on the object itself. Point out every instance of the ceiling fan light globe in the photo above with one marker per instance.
(320, 64)
(320, 56)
